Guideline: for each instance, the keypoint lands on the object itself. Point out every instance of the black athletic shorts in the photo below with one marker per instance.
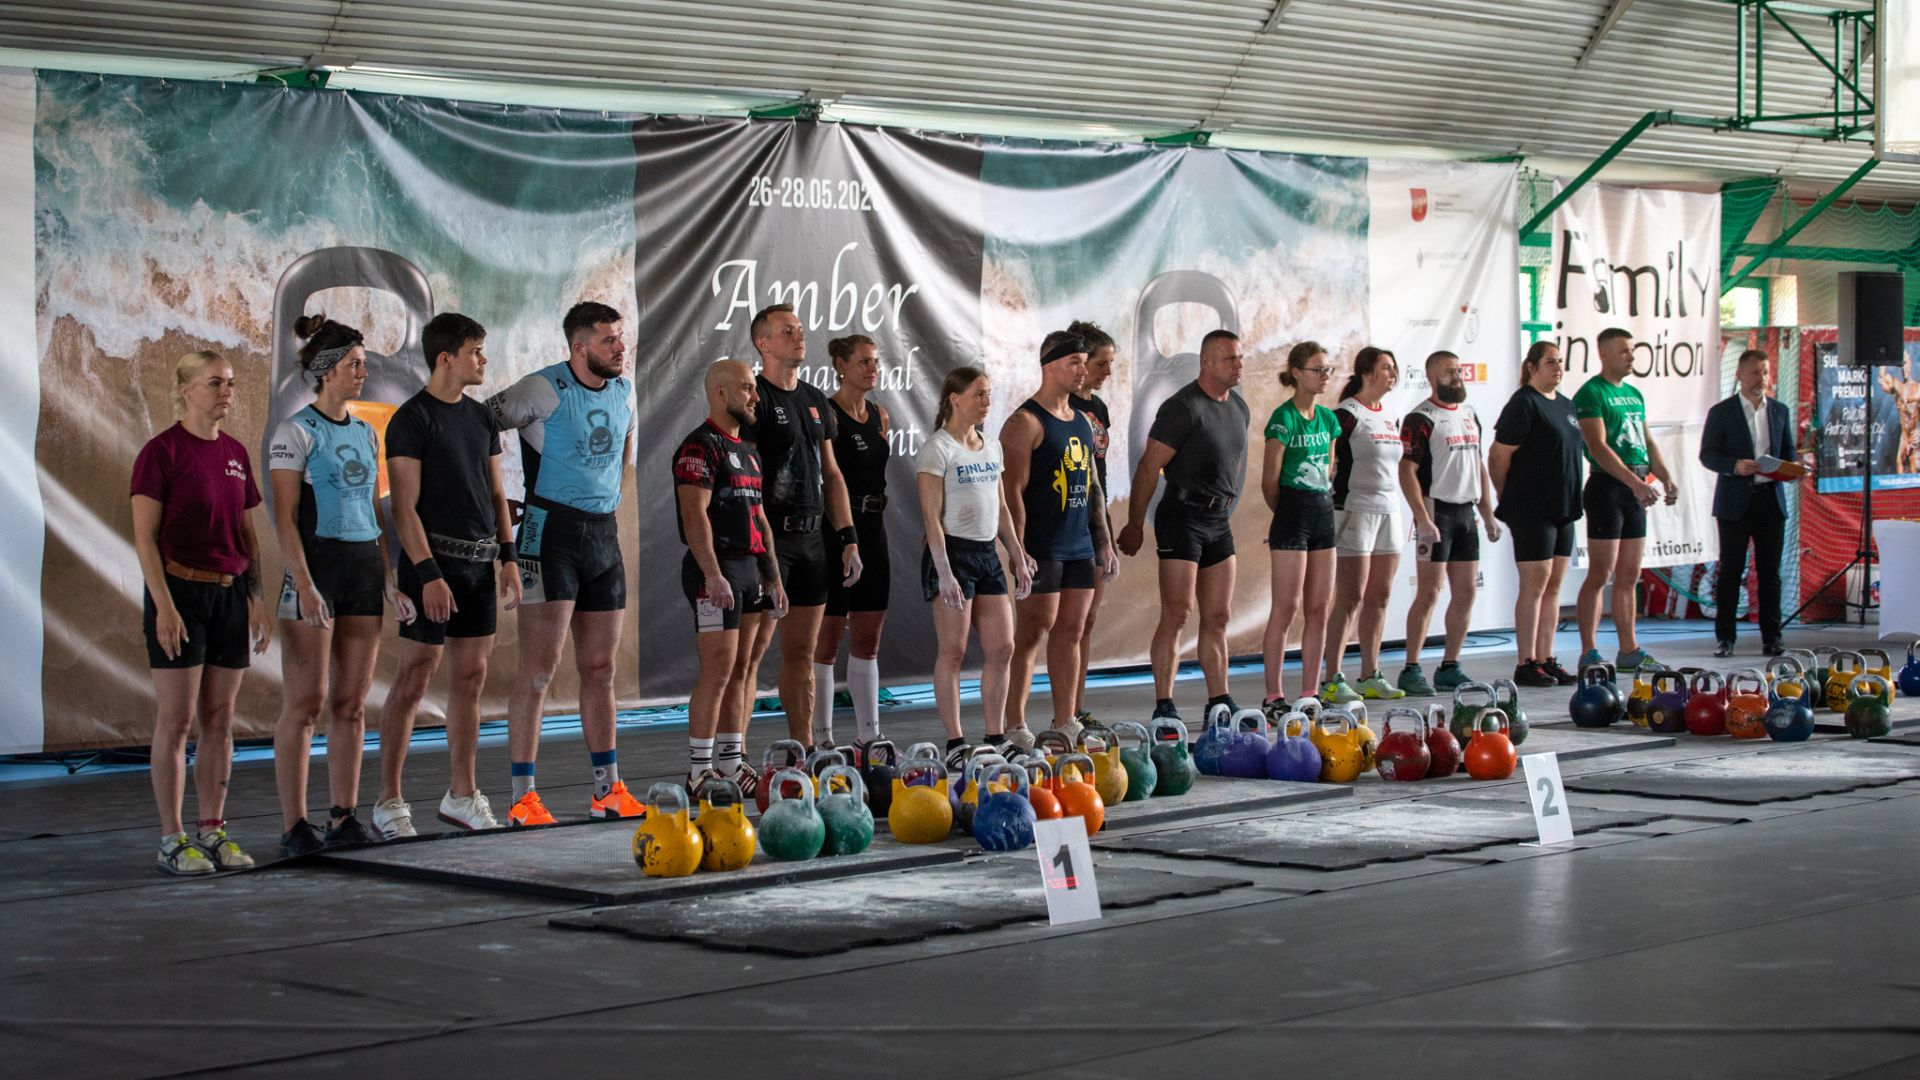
(348, 575)
(741, 572)
(876, 579)
(1537, 540)
(1612, 511)
(975, 565)
(1459, 534)
(804, 569)
(1191, 534)
(1302, 521)
(215, 617)
(567, 554)
(475, 590)
(1057, 574)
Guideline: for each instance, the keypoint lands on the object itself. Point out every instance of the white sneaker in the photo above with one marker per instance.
(393, 818)
(1071, 729)
(469, 812)
(1021, 738)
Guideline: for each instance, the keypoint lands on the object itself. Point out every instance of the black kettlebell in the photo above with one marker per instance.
(1596, 703)
(879, 761)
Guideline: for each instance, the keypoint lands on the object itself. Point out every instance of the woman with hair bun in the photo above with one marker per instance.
(1368, 528)
(199, 557)
(860, 446)
(324, 466)
(1296, 480)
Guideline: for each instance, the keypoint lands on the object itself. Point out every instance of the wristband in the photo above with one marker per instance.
(509, 552)
(846, 537)
(427, 570)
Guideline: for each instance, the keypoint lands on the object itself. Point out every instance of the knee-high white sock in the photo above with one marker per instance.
(823, 704)
(863, 682)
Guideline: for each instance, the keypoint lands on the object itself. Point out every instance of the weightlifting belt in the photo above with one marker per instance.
(188, 573)
(479, 551)
(869, 504)
(798, 523)
(1197, 500)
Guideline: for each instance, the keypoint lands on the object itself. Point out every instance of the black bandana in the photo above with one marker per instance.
(1066, 346)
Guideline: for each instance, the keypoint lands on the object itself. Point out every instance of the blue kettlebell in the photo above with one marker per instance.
(1246, 755)
(1004, 819)
(1791, 718)
(1293, 757)
(1213, 741)
(1910, 675)
(965, 794)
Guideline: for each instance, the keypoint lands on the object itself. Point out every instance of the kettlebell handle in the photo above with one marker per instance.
(855, 785)
(1753, 676)
(1058, 740)
(1135, 729)
(670, 798)
(780, 780)
(914, 766)
(1460, 693)
(1175, 729)
(1023, 784)
(1287, 720)
(1259, 722)
(796, 754)
(1497, 715)
(873, 753)
(722, 786)
(1420, 722)
(1079, 761)
(1871, 678)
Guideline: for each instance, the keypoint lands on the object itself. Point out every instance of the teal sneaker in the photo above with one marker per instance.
(1637, 660)
(1376, 686)
(1413, 682)
(1335, 691)
(1451, 676)
(1590, 657)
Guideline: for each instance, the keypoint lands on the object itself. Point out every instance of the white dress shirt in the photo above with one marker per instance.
(1761, 430)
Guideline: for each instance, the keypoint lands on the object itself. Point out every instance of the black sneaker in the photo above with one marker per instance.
(302, 839)
(1165, 711)
(348, 831)
(1723, 649)
(1773, 648)
(1533, 673)
(1560, 675)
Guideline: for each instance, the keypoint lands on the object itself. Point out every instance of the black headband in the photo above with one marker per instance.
(1066, 346)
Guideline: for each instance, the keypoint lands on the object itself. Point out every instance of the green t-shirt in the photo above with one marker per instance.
(1307, 461)
(1624, 413)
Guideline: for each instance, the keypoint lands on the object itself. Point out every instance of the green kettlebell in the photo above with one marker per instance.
(791, 829)
(1822, 669)
(1507, 699)
(843, 811)
(1142, 775)
(1172, 762)
(1868, 714)
(1464, 711)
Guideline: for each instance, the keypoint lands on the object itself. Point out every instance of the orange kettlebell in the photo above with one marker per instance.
(1072, 786)
(1046, 805)
(1747, 704)
(1490, 753)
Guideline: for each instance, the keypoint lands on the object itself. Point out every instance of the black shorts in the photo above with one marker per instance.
(1055, 575)
(1459, 534)
(1612, 511)
(975, 565)
(215, 617)
(475, 610)
(1191, 534)
(566, 554)
(1537, 540)
(1302, 521)
(347, 573)
(742, 573)
(803, 565)
(876, 578)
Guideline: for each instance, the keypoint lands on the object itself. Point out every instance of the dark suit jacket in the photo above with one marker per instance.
(1727, 440)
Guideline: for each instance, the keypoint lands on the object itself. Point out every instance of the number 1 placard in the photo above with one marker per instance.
(1066, 870)
(1550, 811)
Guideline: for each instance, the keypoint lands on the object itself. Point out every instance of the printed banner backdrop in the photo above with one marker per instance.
(170, 217)
(1844, 397)
(1647, 260)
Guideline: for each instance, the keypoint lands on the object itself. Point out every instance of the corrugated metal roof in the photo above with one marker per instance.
(1448, 77)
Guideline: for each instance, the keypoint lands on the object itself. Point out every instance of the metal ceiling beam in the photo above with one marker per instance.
(1787, 234)
(1273, 20)
(1607, 24)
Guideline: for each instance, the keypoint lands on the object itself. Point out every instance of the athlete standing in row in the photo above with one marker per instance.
(1367, 525)
(729, 574)
(324, 466)
(575, 420)
(1613, 422)
(1088, 400)
(450, 515)
(1535, 469)
(1296, 479)
(1444, 479)
(1198, 442)
(199, 556)
(1051, 489)
(794, 429)
(861, 428)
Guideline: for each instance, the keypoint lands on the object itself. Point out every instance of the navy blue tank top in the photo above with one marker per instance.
(1057, 490)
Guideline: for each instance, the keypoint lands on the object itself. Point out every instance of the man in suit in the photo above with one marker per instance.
(1747, 505)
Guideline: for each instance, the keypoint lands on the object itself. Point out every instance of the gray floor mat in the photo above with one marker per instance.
(1768, 776)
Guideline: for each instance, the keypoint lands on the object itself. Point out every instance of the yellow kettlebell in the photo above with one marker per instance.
(1109, 772)
(666, 844)
(724, 827)
(1363, 734)
(1877, 662)
(1640, 698)
(920, 812)
(1335, 736)
(1840, 673)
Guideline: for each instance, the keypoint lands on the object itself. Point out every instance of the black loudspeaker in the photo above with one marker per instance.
(1871, 306)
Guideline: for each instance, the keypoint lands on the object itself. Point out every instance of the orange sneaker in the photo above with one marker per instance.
(529, 810)
(618, 802)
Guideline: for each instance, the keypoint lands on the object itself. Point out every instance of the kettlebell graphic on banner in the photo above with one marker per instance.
(1156, 375)
(599, 432)
(391, 379)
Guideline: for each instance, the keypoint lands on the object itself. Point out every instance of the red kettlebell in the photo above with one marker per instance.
(1707, 705)
(1403, 754)
(794, 757)
(1443, 749)
(1490, 754)
(1046, 805)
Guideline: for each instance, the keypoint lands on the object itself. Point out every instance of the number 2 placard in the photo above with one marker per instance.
(1550, 811)
(1066, 870)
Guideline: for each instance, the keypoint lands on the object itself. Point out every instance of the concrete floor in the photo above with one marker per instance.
(1772, 941)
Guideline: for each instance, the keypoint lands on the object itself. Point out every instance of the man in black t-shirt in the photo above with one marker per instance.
(730, 573)
(1199, 443)
(793, 429)
(450, 512)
